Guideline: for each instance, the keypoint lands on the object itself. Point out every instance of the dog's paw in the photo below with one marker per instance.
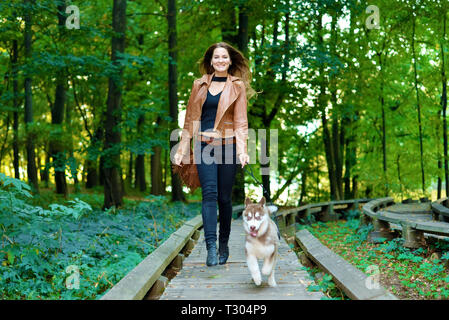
(257, 279)
(272, 283)
(266, 270)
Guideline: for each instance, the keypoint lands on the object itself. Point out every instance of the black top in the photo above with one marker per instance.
(209, 110)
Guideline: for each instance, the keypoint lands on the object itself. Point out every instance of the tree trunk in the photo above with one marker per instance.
(177, 194)
(15, 85)
(156, 166)
(73, 165)
(444, 108)
(322, 102)
(303, 186)
(398, 165)
(156, 171)
(243, 30)
(228, 31)
(129, 177)
(384, 133)
(57, 147)
(31, 156)
(91, 164)
(140, 173)
(419, 108)
(47, 169)
(140, 181)
(337, 144)
(228, 23)
(113, 193)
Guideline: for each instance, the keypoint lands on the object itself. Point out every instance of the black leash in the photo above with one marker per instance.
(257, 181)
(266, 192)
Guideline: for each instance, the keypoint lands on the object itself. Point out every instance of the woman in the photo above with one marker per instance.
(216, 116)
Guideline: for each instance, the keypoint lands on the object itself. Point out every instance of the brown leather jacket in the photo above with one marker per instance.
(231, 119)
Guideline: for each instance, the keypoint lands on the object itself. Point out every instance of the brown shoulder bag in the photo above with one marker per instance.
(188, 173)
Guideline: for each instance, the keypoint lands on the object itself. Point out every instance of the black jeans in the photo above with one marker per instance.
(216, 166)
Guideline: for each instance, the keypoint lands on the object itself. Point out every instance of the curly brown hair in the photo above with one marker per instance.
(238, 68)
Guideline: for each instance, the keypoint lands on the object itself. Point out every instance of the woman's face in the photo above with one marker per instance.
(221, 60)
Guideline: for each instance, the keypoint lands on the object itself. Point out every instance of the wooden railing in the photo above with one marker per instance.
(150, 277)
(323, 211)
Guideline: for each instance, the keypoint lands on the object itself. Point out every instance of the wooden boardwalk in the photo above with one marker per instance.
(232, 281)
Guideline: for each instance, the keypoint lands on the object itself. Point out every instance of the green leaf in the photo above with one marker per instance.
(11, 257)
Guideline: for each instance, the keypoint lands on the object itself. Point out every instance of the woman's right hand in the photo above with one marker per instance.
(177, 159)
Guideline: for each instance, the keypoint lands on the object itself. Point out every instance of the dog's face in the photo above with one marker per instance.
(255, 217)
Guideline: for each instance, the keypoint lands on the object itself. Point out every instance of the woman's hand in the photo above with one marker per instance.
(177, 159)
(244, 159)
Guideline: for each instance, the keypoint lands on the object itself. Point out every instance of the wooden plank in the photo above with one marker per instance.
(136, 284)
(437, 227)
(232, 281)
(196, 222)
(440, 209)
(242, 291)
(411, 208)
(347, 277)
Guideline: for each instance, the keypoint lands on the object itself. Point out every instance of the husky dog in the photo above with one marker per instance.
(262, 240)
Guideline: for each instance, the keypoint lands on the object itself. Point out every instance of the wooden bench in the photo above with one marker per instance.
(348, 278)
(413, 225)
(440, 211)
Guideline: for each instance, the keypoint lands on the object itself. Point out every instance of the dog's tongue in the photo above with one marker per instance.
(253, 233)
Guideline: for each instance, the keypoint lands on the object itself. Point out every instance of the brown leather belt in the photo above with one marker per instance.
(216, 141)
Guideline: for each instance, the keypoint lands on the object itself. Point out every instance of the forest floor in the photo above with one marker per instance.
(419, 274)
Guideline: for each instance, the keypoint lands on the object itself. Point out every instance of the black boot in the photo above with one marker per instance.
(223, 251)
(211, 253)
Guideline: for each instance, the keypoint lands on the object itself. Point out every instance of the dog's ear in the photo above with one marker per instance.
(247, 201)
(262, 201)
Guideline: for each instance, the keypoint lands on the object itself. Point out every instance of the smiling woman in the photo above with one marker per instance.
(216, 116)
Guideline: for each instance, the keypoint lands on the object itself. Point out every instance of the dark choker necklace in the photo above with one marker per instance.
(219, 79)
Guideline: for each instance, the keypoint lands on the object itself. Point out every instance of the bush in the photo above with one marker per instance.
(46, 251)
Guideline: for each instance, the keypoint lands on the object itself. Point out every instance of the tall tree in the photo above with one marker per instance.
(177, 194)
(57, 145)
(444, 108)
(113, 193)
(15, 85)
(418, 104)
(31, 155)
(140, 181)
(322, 101)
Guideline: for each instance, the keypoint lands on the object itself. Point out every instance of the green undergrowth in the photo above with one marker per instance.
(407, 273)
(324, 282)
(75, 250)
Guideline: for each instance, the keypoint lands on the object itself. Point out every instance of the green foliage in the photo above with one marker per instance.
(38, 245)
(362, 233)
(419, 275)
